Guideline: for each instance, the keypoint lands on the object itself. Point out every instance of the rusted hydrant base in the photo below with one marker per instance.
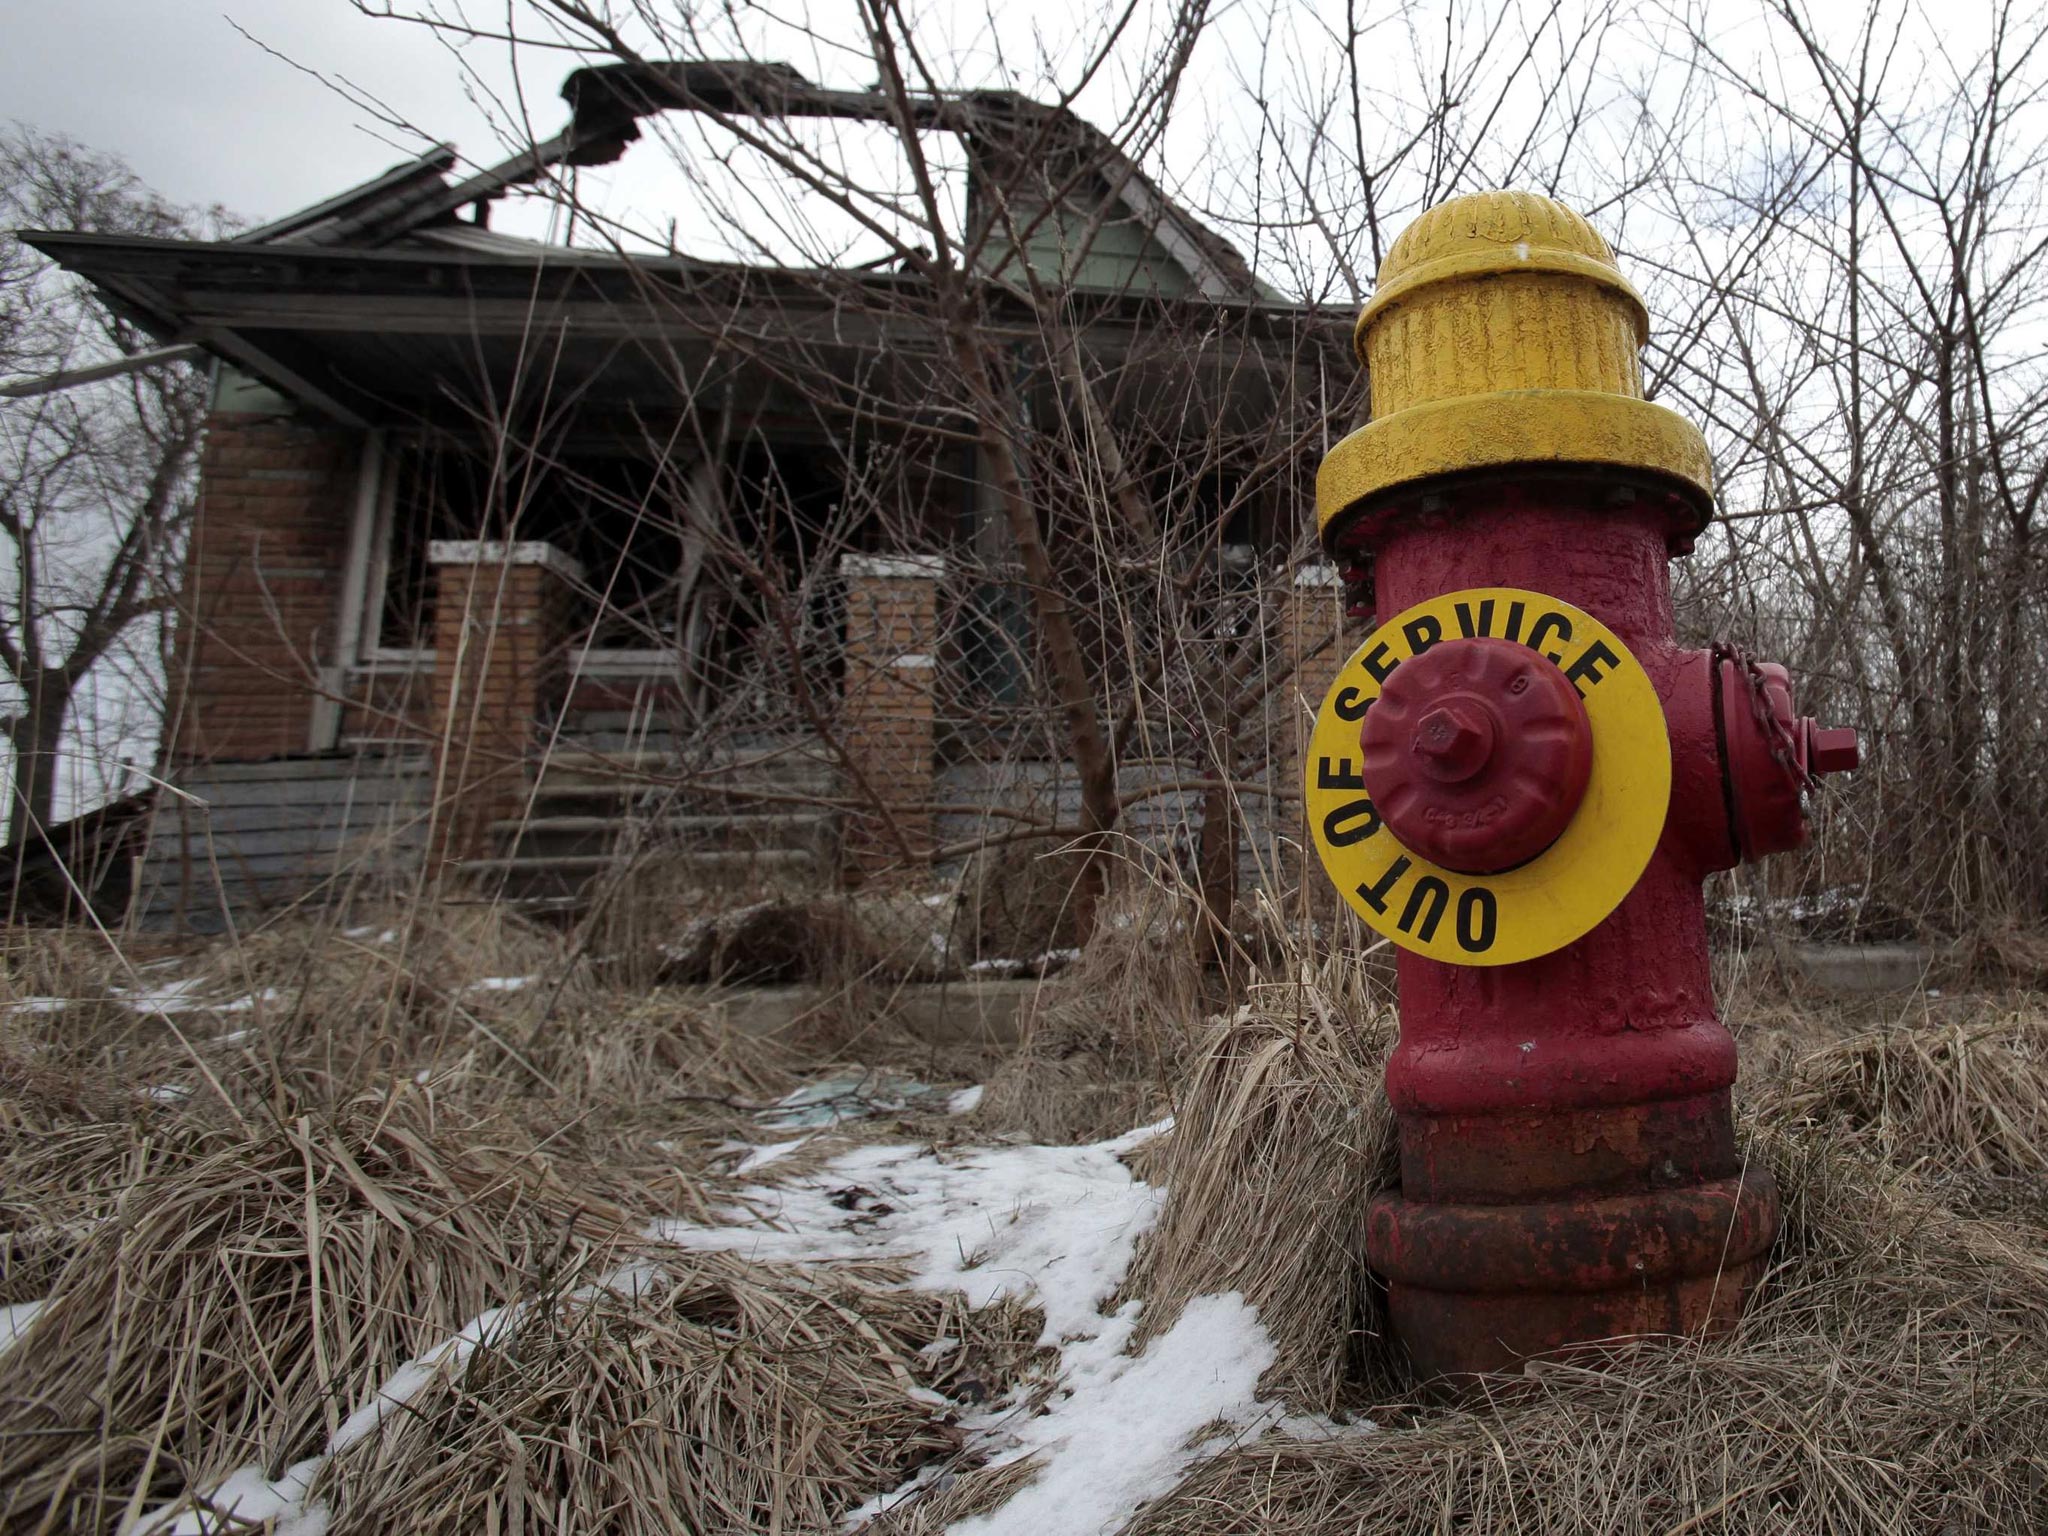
(1477, 1288)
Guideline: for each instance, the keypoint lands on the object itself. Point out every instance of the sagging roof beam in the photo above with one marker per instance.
(113, 368)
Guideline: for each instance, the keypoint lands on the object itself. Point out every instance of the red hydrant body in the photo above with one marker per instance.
(1569, 1168)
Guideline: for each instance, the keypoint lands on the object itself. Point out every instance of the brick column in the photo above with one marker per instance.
(892, 636)
(501, 619)
(1313, 613)
(258, 609)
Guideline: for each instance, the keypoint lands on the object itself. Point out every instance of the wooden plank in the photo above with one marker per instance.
(352, 821)
(265, 891)
(358, 792)
(299, 843)
(367, 765)
(324, 775)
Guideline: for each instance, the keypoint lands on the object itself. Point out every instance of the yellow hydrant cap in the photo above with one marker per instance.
(1502, 333)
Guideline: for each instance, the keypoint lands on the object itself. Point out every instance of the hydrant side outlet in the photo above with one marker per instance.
(1569, 1168)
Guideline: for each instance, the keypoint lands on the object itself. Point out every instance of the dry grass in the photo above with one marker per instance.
(344, 1172)
(246, 1284)
(1938, 1097)
(1108, 1042)
(1892, 1377)
(1281, 1137)
(367, 1161)
(726, 1399)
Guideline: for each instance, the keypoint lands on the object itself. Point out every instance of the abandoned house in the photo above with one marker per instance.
(512, 559)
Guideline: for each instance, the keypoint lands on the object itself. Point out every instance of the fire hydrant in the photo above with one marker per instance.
(1523, 781)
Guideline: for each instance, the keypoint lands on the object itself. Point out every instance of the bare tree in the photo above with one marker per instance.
(99, 433)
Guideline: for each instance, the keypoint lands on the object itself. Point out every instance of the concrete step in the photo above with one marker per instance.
(600, 834)
(619, 797)
(558, 877)
(578, 766)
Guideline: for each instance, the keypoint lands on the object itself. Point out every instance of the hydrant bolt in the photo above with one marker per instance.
(1454, 741)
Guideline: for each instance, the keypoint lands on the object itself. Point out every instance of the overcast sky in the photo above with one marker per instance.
(210, 100)
(205, 115)
(216, 101)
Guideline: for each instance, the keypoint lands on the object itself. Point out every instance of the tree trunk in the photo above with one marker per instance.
(1094, 763)
(35, 734)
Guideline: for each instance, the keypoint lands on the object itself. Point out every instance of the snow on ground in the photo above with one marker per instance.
(245, 1004)
(1056, 1226)
(165, 997)
(966, 1101)
(1119, 1433)
(773, 1152)
(15, 1318)
(180, 994)
(501, 983)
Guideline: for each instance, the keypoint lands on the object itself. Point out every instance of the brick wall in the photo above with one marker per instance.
(501, 618)
(257, 609)
(887, 709)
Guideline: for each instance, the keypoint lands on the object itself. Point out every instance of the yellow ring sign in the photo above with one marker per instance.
(1565, 891)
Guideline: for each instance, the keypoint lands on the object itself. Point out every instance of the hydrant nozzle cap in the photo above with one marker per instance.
(1502, 334)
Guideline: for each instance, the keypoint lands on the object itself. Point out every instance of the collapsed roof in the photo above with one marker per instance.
(351, 305)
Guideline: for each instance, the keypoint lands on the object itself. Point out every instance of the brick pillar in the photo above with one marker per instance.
(501, 620)
(892, 636)
(1313, 614)
(258, 609)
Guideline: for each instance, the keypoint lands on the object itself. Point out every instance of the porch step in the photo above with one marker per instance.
(598, 834)
(565, 766)
(739, 795)
(589, 809)
(563, 878)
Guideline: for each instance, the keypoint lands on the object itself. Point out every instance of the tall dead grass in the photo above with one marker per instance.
(334, 1149)
(1106, 1046)
(1281, 1137)
(722, 1398)
(1892, 1376)
(248, 1284)
(1937, 1097)
(393, 1150)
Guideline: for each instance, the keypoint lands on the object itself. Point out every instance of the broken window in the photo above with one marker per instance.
(720, 577)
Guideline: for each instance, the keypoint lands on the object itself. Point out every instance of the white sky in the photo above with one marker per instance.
(186, 92)
(204, 115)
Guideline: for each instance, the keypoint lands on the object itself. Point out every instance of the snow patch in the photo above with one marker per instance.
(176, 996)
(15, 1318)
(966, 1101)
(1120, 1433)
(774, 1152)
(39, 1005)
(501, 983)
(1054, 1225)
(245, 1004)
